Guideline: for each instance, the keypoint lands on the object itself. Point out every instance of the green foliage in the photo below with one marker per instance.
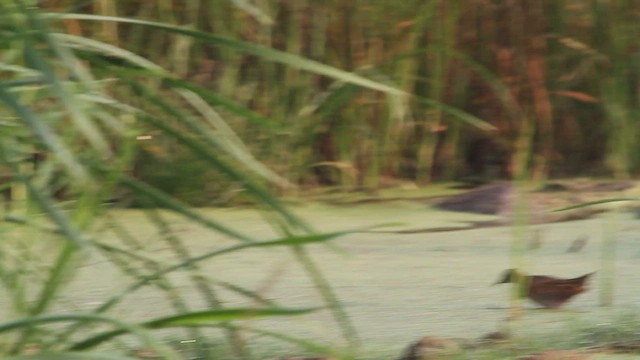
(82, 107)
(489, 97)
(203, 100)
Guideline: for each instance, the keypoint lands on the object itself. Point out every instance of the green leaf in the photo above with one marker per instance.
(199, 318)
(49, 137)
(41, 61)
(218, 132)
(217, 100)
(249, 48)
(303, 343)
(85, 355)
(597, 202)
(140, 332)
(207, 154)
(301, 240)
(460, 115)
(87, 44)
(162, 199)
(289, 241)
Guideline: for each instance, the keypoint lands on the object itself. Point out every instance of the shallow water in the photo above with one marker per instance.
(395, 287)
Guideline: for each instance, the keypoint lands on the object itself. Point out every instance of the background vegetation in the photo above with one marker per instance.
(548, 88)
(167, 104)
(75, 111)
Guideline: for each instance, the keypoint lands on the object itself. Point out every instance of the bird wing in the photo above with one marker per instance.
(561, 288)
(582, 279)
(553, 294)
(543, 279)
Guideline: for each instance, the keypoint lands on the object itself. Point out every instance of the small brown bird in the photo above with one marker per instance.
(548, 291)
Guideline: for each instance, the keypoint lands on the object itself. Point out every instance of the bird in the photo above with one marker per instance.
(548, 291)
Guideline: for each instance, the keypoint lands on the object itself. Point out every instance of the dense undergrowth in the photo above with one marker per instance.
(495, 89)
(173, 104)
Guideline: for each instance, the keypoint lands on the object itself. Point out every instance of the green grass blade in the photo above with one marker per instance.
(458, 114)
(212, 98)
(140, 332)
(303, 343)
(63, 223)
(207, 154)
(85, 355)
(596, 202)
(302, 240)
(253, 295)
(249, 48)
(46, 134)
(216, 100)
(42, 63)
(228, 140)
(164, 200)
(299, 240)
(87, 44)
(329, 296)
(200, 318)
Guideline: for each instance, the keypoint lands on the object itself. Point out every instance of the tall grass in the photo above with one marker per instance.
(81, 102)
(347, 93)
(550, 91)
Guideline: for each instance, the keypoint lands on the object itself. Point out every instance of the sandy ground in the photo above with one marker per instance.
(396, 287)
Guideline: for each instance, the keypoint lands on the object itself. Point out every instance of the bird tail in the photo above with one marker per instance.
(585, 277)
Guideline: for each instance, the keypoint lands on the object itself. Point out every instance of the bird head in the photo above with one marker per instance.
(508, 276)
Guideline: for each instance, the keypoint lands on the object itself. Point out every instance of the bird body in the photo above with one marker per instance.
(548, 291)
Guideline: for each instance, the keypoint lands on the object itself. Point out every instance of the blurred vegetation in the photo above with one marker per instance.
(83, 120)
(545, 88)
(167, 104)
